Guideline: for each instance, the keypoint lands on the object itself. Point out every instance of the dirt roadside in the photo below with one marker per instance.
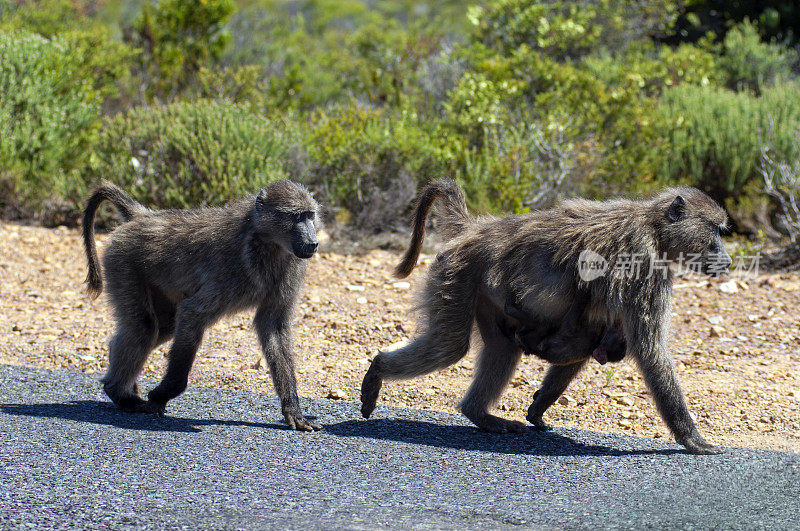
(737, 354)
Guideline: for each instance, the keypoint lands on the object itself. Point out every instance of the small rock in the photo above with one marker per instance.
(716, 331)
(337, 394)
(752, 317)
(715, 319)
(625, 423)
(625, 400)
(566, 400)
(401, 285)
(314, 299)
(86, 357)
(729, 287)
(361, 300)
(355, 287)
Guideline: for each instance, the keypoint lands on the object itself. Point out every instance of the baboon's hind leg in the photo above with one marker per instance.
(133, 340)
(495, 366)
(555, 382)
(190, 325)
(427, 353)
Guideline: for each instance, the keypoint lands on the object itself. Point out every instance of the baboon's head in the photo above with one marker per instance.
(286, 214)
(688, 225)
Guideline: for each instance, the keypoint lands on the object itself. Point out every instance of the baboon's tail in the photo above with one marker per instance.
(456, 218)
(127, 208)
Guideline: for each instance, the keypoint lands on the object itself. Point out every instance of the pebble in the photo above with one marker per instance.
(355, 287)
(566, 400)
(717, 331)
(729, 287)
(401, 285)
(625, 400)
(715, 319)
(337, 394)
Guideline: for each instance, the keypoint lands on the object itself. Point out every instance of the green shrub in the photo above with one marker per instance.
(177, 38)
(369, 162)
(716, 136)
(649, 69)
(747, 63)
(519, 168)
(49, 117)
(45, 17)
(563, 29)
(190, 154)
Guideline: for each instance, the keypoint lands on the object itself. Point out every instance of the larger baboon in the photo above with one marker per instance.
(536, 257)
(173, 273)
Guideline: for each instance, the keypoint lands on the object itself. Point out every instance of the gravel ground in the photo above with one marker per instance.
(223, 460)
(737, 354)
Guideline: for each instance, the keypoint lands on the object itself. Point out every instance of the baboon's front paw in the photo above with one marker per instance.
(300, 423)
(132, 404)
(159, 409)
(539, 424)
(699, 446)
(495, 424)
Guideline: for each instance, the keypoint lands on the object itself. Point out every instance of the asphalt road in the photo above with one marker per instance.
(224, 460)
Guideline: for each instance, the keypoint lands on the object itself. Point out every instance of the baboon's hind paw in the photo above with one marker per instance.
(696, 445)
(494, 424)
(370, 388)
(300, 423)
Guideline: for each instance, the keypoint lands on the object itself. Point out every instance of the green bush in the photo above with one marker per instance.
(747, 63)
(177, 38)
(190, 154)
(49, 117)
(368, 162)
(564, 29)
(716, 137)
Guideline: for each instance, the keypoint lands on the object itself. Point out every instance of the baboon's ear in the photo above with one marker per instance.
(261, 200)
(676, 209)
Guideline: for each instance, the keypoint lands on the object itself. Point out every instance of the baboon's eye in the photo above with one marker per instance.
(302, 216)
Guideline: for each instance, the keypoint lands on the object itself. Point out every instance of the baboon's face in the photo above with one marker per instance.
(287, 215)
(690, 231)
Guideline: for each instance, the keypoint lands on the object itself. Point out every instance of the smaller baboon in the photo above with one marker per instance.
(173, 273)
(573, 338)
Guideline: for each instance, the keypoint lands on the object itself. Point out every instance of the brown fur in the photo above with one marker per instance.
(535, 257)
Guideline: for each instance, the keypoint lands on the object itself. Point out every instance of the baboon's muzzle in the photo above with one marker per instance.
(305, 250)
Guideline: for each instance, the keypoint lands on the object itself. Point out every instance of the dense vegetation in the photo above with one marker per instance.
(522, 101)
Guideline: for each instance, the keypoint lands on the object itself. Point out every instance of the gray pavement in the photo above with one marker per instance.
(224, 460)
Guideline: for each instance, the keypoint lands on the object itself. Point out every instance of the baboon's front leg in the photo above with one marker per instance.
(274, 331)
(555, 382)
(188, 335)
(659, 373)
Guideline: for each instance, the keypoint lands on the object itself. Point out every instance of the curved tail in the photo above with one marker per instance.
(455, 217)
(127, 208)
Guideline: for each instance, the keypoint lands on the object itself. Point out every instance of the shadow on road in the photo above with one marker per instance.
(97, 412)
(470, 438)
